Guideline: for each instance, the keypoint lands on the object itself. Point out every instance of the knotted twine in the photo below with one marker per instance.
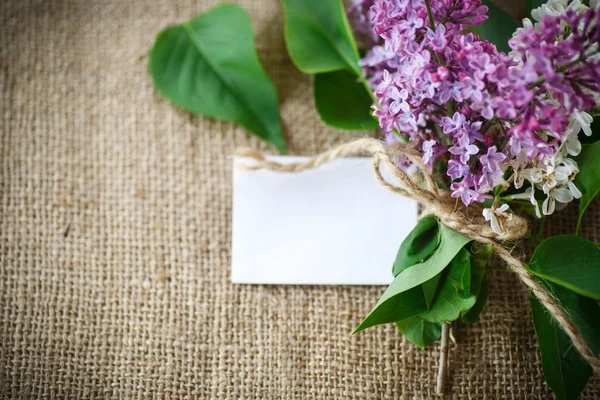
(466, 220)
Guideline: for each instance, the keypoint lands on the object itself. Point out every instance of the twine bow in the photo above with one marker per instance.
(466, 220)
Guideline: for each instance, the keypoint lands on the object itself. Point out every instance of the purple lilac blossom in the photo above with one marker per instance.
(360, 16)
(469, 106)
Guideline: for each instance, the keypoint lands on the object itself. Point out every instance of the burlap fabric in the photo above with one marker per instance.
(115, 228)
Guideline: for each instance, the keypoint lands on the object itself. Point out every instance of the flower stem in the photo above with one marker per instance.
(488, 124)
(432, 23)
(443, 364)
(450, 107)
(430, 14)
(541, 230)
(578, 226)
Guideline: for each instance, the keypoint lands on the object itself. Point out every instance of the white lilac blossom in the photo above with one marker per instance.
(496, 215)
(486, 119)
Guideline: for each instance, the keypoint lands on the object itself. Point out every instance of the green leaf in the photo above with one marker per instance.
(420, 332)
(342, 101)
(454, 296)
(406, 304)
(320, 41)
(418, 245)
(566, 372)
(471, 316)
(404, 298)
(208, 68)
(318, 36)
(588, 178)
(498, 28)
(583, 311)
(430, 289)
(570, 261)
(480, 254)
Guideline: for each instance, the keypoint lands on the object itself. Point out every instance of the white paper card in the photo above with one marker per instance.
(331, 225)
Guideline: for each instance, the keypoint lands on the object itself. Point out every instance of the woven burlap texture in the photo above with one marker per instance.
(115, 230)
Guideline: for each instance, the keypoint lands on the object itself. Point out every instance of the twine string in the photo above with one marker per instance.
(421, 187)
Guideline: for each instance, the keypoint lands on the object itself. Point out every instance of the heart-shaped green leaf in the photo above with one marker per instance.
(498, 28)
(569, 261)
(342, 101)
(396, 304)
(318, 36)
(588, 178)
(418, 245)
(566, 372)
(420, 332)
(209, 66)
(454, 296)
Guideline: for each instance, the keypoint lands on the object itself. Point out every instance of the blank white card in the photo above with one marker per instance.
(331, 225)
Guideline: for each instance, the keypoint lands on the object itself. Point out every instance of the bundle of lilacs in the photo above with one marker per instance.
(497, 127)
(503, 131)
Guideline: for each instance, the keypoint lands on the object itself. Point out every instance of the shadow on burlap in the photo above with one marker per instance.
(115, 229)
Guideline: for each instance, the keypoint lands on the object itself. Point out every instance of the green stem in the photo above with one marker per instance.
(541, 230)
(562, 68)
(488, 124)
(537, 238)
(432, 23)
(450, 107)
(430, 14)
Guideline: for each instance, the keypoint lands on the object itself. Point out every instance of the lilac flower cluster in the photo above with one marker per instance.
(360, 16)
(487, 118)
(564, 67)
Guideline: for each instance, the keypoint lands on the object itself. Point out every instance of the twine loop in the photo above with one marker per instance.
(421, 187)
